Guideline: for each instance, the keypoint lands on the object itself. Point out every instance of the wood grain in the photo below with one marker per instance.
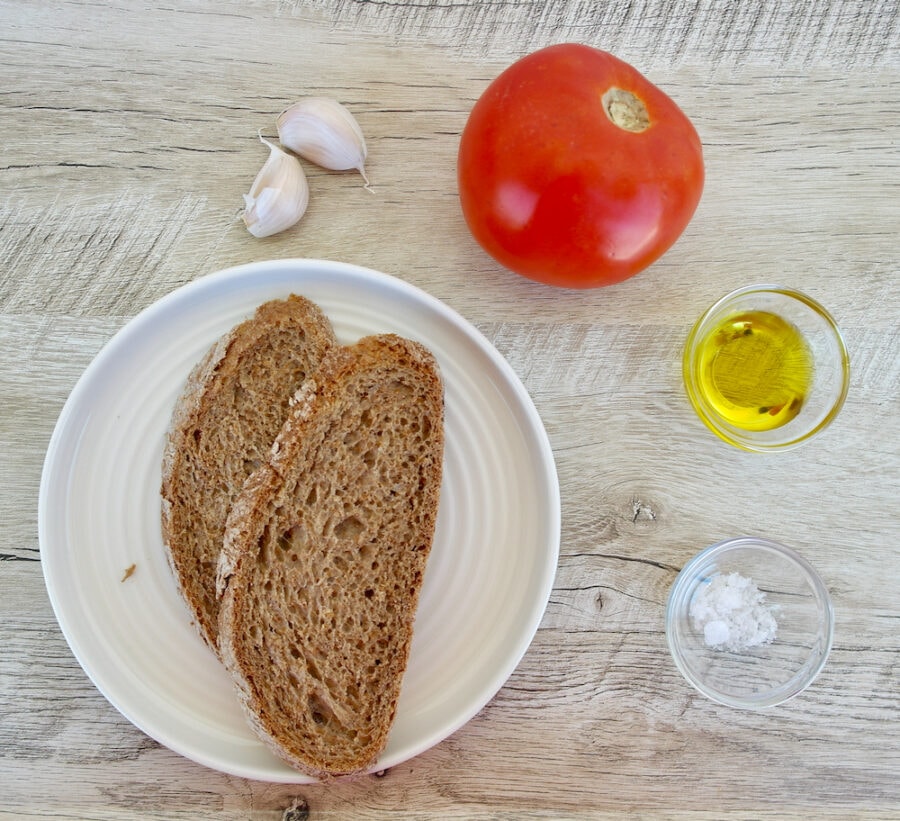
(834, 33)
(129, 133)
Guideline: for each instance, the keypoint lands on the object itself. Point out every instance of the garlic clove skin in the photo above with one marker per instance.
(324, 132)
(279, 194)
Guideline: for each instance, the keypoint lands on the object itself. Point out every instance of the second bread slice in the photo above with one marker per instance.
(325, 552)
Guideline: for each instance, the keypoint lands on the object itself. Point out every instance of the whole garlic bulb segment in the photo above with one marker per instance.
(279, 194)
(324, 132)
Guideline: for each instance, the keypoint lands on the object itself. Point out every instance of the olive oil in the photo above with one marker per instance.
(755, 370)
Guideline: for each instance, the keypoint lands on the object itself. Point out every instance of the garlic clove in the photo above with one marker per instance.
(324, 132)
(279, 194)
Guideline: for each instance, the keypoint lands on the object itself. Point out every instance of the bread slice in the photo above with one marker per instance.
(325, 552)
(232, 408)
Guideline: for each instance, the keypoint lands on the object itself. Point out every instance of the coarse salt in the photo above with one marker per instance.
(732, 614)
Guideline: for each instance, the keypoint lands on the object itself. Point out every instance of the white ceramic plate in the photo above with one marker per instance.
(489, 575)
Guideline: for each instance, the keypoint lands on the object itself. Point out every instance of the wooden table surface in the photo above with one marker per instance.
(129, 133)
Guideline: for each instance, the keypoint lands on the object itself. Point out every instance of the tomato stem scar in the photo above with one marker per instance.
(625, 110)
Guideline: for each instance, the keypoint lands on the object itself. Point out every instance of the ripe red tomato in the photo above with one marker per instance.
(577, 171)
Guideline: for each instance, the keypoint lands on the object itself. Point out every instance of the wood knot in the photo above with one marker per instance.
(297, 811)
(641, 511)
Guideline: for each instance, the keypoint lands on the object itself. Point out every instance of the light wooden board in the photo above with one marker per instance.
(129, 132)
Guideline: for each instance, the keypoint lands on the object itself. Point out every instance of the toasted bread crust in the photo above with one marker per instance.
(232, 407)
(324, 555)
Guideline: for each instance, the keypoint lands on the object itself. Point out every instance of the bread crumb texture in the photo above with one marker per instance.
(329, 545)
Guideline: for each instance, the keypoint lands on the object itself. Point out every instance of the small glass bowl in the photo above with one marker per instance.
(830, 366)
(767, 674)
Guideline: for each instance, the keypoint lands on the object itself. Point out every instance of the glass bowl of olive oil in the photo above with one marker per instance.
(766, 368)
